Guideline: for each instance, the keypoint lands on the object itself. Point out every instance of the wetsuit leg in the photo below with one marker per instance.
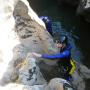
(65, 68)
(67, 75)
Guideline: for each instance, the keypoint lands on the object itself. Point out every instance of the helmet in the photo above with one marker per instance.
(63, 39)
(45, 19)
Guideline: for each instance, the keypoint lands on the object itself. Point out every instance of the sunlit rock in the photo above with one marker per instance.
(8, 37)
(21, 32)
(29, 73)
(13, 86)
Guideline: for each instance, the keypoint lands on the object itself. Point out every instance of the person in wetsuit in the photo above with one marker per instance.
(48, 23)
(64, 56)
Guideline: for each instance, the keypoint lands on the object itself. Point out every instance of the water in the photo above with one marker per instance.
(70, 22)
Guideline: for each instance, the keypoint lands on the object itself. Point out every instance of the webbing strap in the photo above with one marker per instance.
(73, 66)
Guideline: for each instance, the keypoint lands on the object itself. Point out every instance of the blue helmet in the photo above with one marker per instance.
(63, 39)
(45, 19)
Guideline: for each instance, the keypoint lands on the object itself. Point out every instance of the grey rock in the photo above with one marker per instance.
(14, 86)
(57, 84)
(29, 74)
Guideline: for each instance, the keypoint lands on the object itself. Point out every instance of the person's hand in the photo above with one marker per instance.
(36, 54)
(30, 55)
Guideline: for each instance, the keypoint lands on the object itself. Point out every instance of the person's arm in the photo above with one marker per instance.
(56, 56)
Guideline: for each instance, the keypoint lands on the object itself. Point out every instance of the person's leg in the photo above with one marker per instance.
(67, 75)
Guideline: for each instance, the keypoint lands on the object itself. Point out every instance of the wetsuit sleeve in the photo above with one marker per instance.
(57, 56)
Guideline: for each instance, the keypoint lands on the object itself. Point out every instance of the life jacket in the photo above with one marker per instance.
(67, 62)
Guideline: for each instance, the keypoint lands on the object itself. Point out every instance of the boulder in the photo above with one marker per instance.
(58, 84)
(81, 74)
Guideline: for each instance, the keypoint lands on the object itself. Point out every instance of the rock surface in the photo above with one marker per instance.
(54, 84)
(13, 86)
(80, 75)
(29, 73)
(22, 32)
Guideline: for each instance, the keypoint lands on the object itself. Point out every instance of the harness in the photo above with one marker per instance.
(68, 65)
(73, 67)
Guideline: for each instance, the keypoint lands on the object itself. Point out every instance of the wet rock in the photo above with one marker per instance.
(54, 84)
